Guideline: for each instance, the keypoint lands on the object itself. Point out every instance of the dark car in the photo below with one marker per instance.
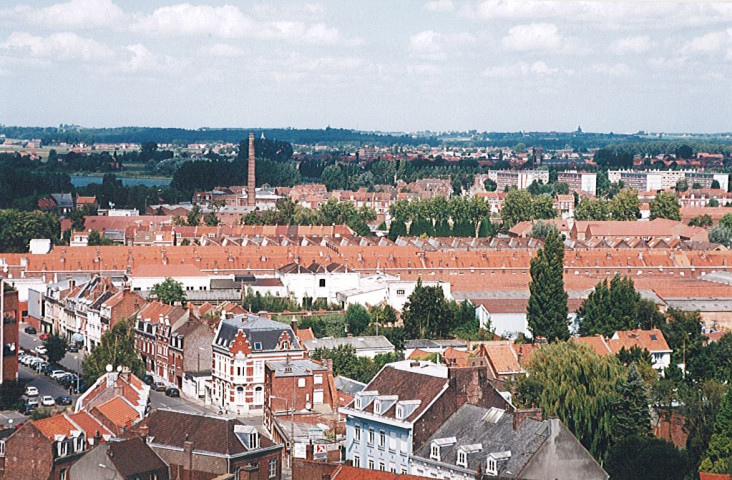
(64, 400)
(27, 408)
(172, 392)
(30, 330)
(79, 387)
(159, 386)
(72, 347)
(148, 379)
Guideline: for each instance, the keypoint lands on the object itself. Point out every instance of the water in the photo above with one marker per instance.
(84, 180)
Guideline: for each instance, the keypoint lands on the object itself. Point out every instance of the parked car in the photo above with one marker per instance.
(79, 386)
(159, 386)
(33, 360)
(64, 400)
(38, 367)
(32, 401)
(41, 350)
(27, 408)
(72, 347)
(56, 374)
(30, 330)
(172, 392)
(44, 336)
(69, 380)
(48, 368)
(31, 391)
(148, 379)
(47, 401)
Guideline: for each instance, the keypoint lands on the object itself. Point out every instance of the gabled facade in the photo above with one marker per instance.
(241, 346)
(403, 405)
(130, 459)
(154, 325)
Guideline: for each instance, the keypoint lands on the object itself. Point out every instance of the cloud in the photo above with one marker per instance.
(440, 6)
(143, 60)
(74, 14)
(631, 45)
(224, 50)
(432, 45)
(61, 46)
(229, 22)
(617, 70)
(709, 43)
(520, 69)
(535, 36)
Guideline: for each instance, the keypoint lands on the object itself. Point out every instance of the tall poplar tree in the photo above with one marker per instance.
(547, 310)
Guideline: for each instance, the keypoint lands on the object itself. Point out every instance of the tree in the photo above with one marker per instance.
(719, 454)
(625, 205)
(700, 405)
(726, 220)
(713, 202)
(17, 229)
(547, 309)
(169, 291)
(383, 314)
(715, 185)
(333, 177)
(666, 205)
(426, 313)
(542, 207)
(682, 332)
(704, 221)
(541, 229)
(77, 220)
(357, 318)
(609, 307)
(10, 393)
(517, 207)
(632, 415)
(397, 229)
(646, 458)
(713, 361)
(117, 348)
(96, 238)
(684, 151)
(194, 216)
(682, 185)
(589, 209)
(55, 348)
(211, 219)
(721, 234)
(570, 381)
(465, 323)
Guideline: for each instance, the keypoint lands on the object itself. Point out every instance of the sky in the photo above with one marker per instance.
(378, 65)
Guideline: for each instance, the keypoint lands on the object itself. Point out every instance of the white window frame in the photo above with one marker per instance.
(357, 433)
(382, 439)
(435, 452)
(370, 463)
(371, 436)
(492, 467)
(356, 461)
(318, 379)
(462, 458)
(301, 383)
(272, 467)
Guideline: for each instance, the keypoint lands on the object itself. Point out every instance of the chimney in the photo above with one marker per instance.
(251, 199)
(522, 414)
(188, 459)
(144, 431)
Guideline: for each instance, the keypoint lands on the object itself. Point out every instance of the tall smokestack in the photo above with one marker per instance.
(251, 194)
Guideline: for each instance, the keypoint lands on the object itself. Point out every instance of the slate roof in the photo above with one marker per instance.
(134, 457)
(298, 368)
(256, 329)
(359, 343)
(469, 427)
(420, 343)
(209, 434)
(347, 385)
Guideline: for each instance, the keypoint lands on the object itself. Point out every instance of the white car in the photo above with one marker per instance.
(31, 391)
(40, 349)
(48, 401)
(33, 360)
(56, 374)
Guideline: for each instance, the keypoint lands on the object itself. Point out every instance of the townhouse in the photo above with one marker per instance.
(402, 407)
(154, 326)
(652, 341)
(241, 346)
(129, 459)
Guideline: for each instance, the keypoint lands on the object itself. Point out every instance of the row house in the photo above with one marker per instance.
(702, 197)
(379, 201)
(107, 310)
(154, 324)
(397, 412)
(81, 302)
(300, 395)
(128, 459)
(241, 346)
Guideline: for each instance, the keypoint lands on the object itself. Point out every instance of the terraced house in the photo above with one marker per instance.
(241, 346)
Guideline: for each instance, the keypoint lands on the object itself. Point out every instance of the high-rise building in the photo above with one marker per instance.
(251, 191)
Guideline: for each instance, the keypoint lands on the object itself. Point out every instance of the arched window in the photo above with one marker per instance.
(240, 395)
(258, 395)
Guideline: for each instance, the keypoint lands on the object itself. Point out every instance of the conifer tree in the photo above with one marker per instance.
(397, 229)
(632, 416)
(547, 309)
(719, 453)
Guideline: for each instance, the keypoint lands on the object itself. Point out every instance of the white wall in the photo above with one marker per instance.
(145, 284)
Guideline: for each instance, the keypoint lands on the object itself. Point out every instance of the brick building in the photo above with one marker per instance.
(9, 318)
(241, 347)
(200, 447)
(154, 325)
(130, 459)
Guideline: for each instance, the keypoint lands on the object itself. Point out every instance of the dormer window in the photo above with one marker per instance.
(377, 407)
(462, 459)
(257, 345)
(399, 412)
(492, 467)
(358, 403)
(435, 452)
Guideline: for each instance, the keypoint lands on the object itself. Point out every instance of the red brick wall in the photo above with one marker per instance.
(671, 427)
(28, 454)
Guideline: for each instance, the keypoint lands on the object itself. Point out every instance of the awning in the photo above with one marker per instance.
(77, 337)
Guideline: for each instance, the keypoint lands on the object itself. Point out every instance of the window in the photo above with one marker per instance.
(377, 407)
(400, 292)
(258, 368)
(435, 452)
(382, 466)
(322, 282)
(492, 467)
(240, 395)
(357, 461)
(400, 412)
(462, 459)
(257, 345)
(382, 439)
(272, 467)
(392, 467)
(392, 443)
(357, 433)
(258, 395)
(301, 382)
(370, 464)
(371, 436)
(64, 474)
(317, 379)
(317, 397)
(403, 445)
(358, 403)
(2, 448)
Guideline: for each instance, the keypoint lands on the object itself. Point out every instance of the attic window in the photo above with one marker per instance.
(322, 282)
(492, 467)
(377, 407)
(654, 337)
(435, 452)
(257, 345)
(399, 412)
(358, 403)
(462, 459)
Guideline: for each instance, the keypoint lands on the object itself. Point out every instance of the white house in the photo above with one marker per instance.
(317, 281)
(364, 346)
(144, 277)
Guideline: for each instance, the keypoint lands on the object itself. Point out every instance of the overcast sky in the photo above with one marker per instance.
(392, 65)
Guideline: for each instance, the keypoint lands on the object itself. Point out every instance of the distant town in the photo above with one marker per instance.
(310, 304)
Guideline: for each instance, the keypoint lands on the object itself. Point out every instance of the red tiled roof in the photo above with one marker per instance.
(119, 412)
(171, 270)
(596, 343)
(55, 425)
(651, 340)
(714, 476)
(89, 424)
(501, 356)
(346, 472)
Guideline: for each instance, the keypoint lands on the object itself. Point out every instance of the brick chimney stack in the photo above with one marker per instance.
(251, 199)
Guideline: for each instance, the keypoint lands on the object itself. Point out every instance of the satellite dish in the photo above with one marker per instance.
(308, 406)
